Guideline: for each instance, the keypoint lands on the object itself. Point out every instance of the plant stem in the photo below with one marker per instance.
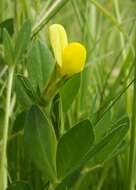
(52, 186)
(93, 20)
(124, 53)
(16, 15)
(56, 6)
(132, 140)
(127, 94)
(102, 178)
(2, 3)
(26, 8)
(3, 166)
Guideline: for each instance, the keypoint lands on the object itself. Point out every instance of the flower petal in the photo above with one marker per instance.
(73, 57)
(59, 41)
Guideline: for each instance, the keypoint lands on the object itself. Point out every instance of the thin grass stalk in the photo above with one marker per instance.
(112, 19)
(52, 186)
(127, 94)
(2, 3)
(41, 21)
(102, 178)
(4, 164)
(132, 153)
(16, 15)
(26, 8)
(114, 101)
(37, 4)
(93, 20)
(124, 53)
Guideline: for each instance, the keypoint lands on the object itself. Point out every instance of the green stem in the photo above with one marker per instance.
(3, 168)
(102, 178)
(124, 53)
(80, 181)
(93, 20)
(17, 15)
(127, 94)
(2, 3)
(37, 5)
(56, 6)
(52, 186)
(26, 8)
(117, 9)
(132, 140)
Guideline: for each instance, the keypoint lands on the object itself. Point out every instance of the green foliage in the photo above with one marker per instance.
(19, 186)
(40, 142)
(40, 65)
(69, 91)
(7, 24)
(8, 49)
(106, 147)
(68, 132)
(14, 53)
(19, 122)
(81, 136)
(25, 92)
(22, 40)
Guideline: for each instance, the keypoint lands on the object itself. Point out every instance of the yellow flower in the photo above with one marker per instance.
(70, 57)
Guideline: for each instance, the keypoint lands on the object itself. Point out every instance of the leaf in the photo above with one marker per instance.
(22, 40)
(69, 91)
(19, 186)
(69, 181)
(73, 146)
(25, 92)
(40, 142)
(1, 59)
(8, 49)
(46, 186)
(40, 65)
(103, 126)
(103, 150)
(8, 24)
(19, 122)
(83, 182)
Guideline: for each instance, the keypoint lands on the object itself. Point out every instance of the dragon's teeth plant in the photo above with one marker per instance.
(70, 57)
(63, 126)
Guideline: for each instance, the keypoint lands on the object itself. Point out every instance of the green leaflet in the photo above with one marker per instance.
(73, 146)
(22, 41)
(40, 65)
(7, 24)
(19, 186)
(8, 48)
(103, 150)
(40, 142)
(69, 91)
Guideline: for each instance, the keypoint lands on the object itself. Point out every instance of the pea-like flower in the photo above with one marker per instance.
(70, 57)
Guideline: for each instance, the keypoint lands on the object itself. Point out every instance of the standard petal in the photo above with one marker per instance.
(59, 41)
